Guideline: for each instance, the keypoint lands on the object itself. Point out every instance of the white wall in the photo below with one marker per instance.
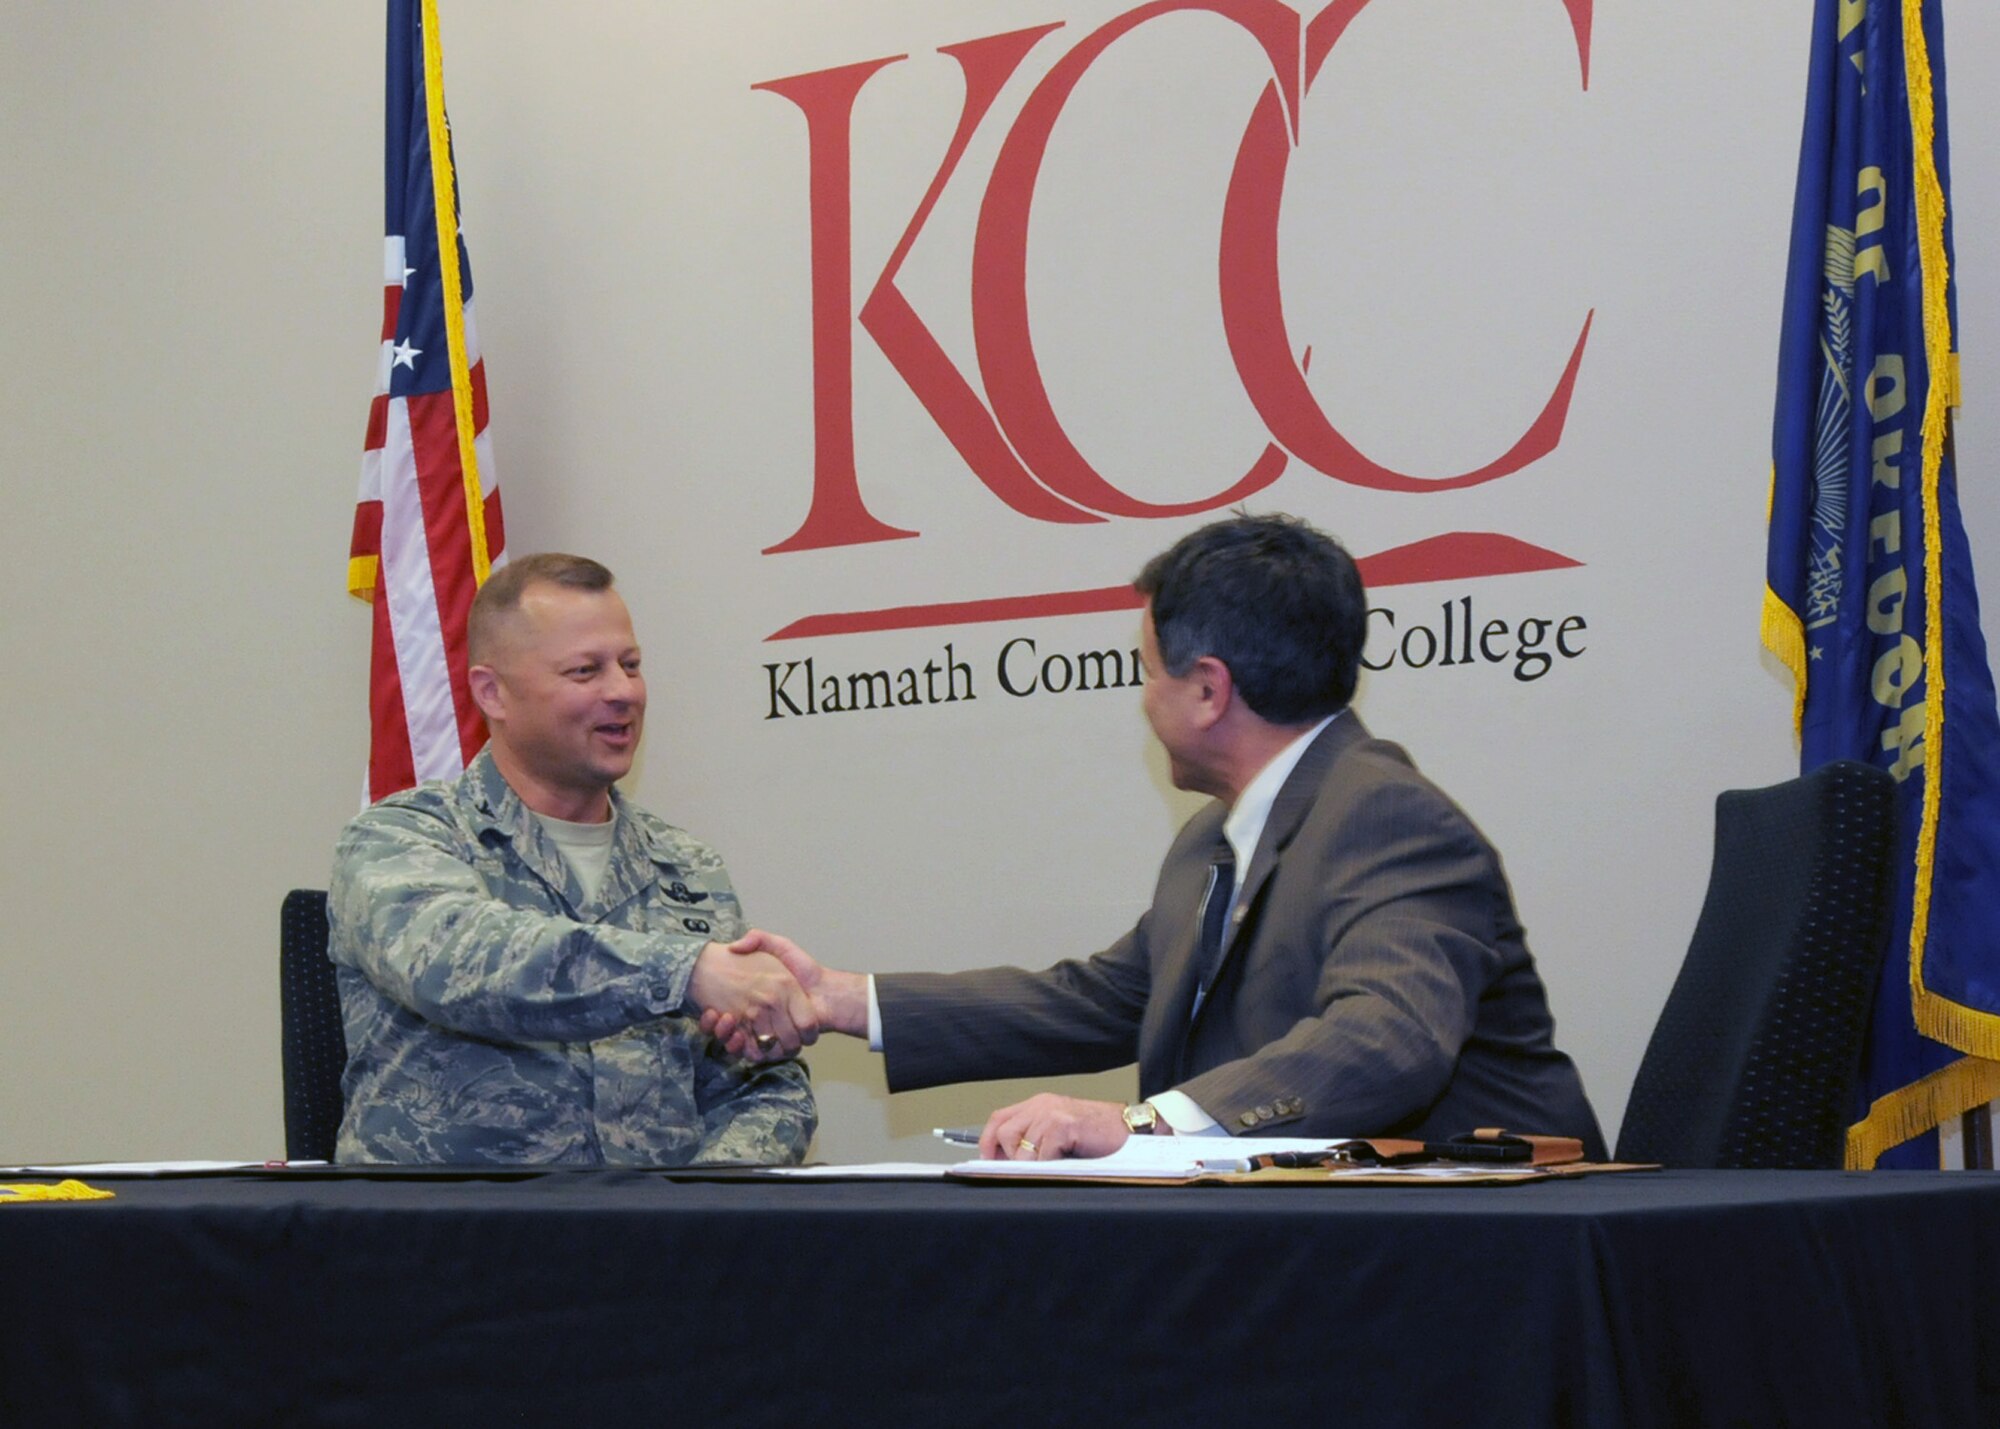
(188, 271)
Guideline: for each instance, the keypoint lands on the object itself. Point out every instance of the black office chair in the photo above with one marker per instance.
(1754, 1060)
(315, 1044)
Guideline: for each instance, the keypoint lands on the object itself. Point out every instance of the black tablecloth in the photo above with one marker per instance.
(1753, 1298)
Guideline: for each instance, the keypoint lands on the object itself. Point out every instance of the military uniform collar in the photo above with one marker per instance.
(499, 806)
(637, 855)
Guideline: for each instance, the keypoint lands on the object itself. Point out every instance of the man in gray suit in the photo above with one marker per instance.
(1331, 950)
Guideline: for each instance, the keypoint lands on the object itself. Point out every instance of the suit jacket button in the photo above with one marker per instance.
(1249, 1118)
(1264, 1113)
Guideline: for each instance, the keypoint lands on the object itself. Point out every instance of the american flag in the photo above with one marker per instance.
(427, 529)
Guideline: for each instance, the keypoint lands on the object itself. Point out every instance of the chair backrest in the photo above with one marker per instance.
(315, 1043)
(1754, 1060)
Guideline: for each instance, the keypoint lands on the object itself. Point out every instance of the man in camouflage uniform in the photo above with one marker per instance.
(522, 952)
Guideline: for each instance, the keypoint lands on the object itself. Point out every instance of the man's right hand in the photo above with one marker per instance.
(767, 1010)
(839, 999)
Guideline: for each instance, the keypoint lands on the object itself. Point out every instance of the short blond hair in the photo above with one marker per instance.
(501, 595)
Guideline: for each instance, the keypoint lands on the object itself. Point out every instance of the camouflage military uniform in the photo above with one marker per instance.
(494, 1015)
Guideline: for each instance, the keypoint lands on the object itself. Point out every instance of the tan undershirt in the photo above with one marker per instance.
(586, 848)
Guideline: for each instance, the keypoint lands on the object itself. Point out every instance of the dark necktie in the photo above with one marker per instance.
(1214, 925)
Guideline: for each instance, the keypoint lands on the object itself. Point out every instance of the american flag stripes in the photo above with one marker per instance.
(427, 528)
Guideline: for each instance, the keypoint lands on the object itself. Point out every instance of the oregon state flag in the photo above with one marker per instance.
(1870, 597)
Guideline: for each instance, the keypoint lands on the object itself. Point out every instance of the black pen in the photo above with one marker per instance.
(957, 1135)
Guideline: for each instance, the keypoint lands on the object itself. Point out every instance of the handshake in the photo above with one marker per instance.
(763, 997)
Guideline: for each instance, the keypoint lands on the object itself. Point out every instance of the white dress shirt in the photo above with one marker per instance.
(1243, 828)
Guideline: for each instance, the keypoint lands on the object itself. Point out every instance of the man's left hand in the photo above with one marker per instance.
(1046, 1127)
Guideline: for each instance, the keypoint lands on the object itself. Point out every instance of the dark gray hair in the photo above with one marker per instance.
(1279, 603)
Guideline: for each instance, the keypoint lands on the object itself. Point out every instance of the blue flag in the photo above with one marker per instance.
(1870, 598)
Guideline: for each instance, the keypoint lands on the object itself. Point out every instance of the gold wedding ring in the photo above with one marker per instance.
(765, 1041)
(1027, 1146)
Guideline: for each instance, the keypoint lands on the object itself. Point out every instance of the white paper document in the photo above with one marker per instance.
(1158, 1157)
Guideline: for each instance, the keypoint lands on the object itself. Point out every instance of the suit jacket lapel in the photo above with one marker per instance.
(1288, 812)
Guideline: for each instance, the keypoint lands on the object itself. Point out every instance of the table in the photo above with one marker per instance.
(1754, 1298)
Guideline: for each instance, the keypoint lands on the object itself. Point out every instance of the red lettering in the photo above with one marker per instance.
(909, 345)
(1016, 445)
(1253, 307)
(837, 516)
(1000, 260)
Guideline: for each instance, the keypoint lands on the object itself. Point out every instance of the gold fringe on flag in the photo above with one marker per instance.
(1919, 1107)
(362, 574)
(444, 196)
(1968, 1029)
(1785, 637)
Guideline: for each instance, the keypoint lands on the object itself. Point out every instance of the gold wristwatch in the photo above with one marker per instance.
(1142, 1119)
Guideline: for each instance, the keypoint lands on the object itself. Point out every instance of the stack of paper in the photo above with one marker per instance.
(1162, 1158)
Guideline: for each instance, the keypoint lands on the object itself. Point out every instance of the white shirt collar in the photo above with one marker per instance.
(1244, 826)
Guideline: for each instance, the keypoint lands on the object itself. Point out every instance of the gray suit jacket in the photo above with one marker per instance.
(1375, 982)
